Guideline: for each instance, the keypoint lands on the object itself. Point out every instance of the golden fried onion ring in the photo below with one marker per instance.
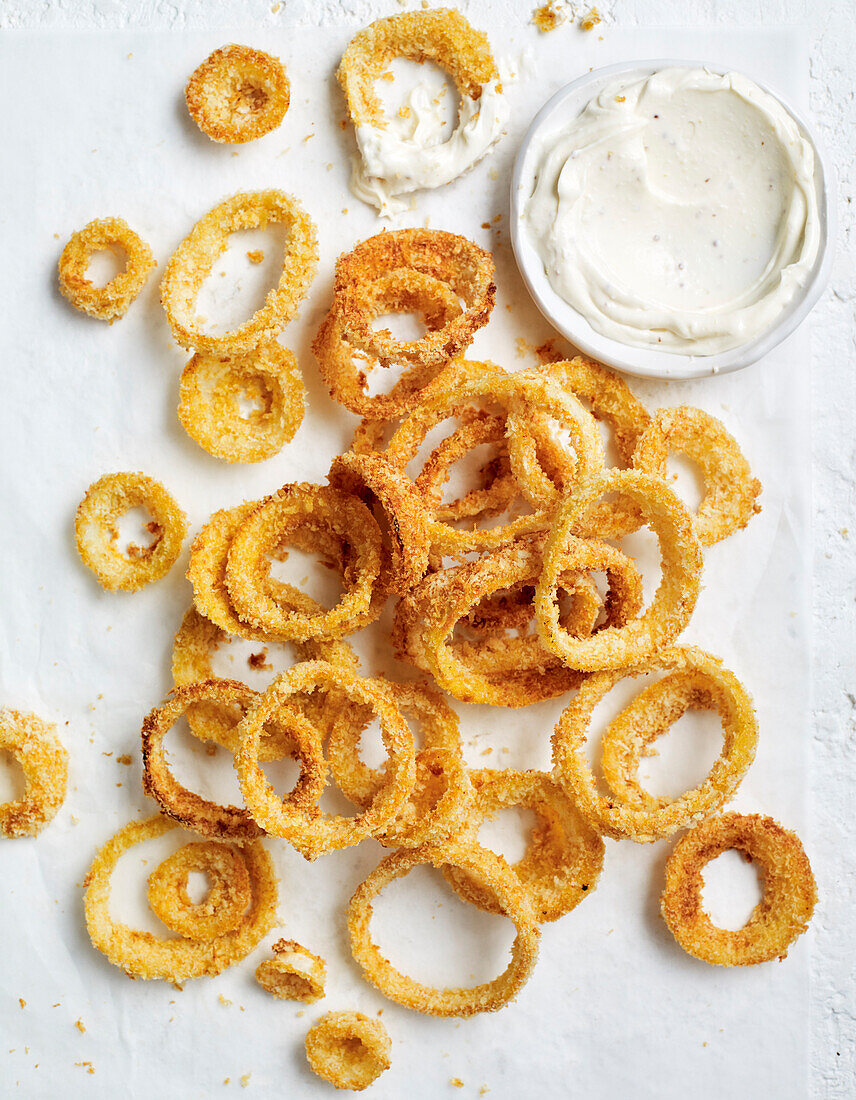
(111, 301)
(730, 491)
(652, 819)
(108, 499)
(348, 1049)
(209, 402)
(237, 94)
(777, 920)
(494, 875)
(192, 261)
(44, 761)
(294, 973)
(143, 955)
(229, 894)
(564, 854)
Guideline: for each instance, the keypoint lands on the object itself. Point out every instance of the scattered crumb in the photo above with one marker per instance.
(308, 136)
(106, 753)
(845, 534)
(256, 256)
(257, 661)
(484, 1090)
(275, 8)
(404, 111)
(485, 225)
(704, 1044)
(388, 76)
(344, 210)
(56, 235)
(125, 758)
(245, 1080)
(89, 1066)
(343, 123)
(549, 16)
(22, 1002)
(223, 1000)
(300, 1013)
(80, 1026)
(590, 19)
(522, 346)
(226, 1080)
(486, 752)
(457, 1082)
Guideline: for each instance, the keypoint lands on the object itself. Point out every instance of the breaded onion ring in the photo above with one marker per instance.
(564, 854)
(111, 301)
(494, 875)
(44, 761)
(348, 1049)
(142, 955)
(673, 603)
(310, 831)
(294, 974)
(270, 525)
(464, 267)
(192, 261)
(209, 403)
(237, 94)
(782, 914)
(105, 502)
(730, 491)
(221, 910)
(646, 821)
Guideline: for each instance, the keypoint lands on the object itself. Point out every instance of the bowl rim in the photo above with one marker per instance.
(649, 362)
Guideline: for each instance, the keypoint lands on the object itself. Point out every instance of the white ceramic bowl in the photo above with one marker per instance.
(645, 362)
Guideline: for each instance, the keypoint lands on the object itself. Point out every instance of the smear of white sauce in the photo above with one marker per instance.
(677, 211)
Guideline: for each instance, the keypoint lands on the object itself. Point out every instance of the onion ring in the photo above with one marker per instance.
(348, 1049)
(142, 955)
(294, 974)
(209, 404)
(564, 854)
(647, 822)
(491, 872)
(777, 920)
(44, 761)
(237, 94)
(675, 598)
(730, 491)
(111, 301)
(192, 261)
(222, 910)
(108, 499)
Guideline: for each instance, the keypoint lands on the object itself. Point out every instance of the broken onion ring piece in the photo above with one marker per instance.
(294, 974)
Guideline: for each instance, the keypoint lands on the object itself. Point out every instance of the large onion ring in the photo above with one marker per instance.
(111, 301)
(223, 908)
(237, 94)
(777, 920)
(646, 822)
(142, 955)
(44, 761)
(348, 1049)
(192, 261)
(493, 874)
(108, 499)
(294, 973)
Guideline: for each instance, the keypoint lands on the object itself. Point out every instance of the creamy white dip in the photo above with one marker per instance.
(409, 153)
(677, 211)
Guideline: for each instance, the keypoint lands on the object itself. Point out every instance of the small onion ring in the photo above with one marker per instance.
(730, 491)
(222, 910)
(111, 301)
(108, 499)
(641, 822)
(237, 94)
(348, 1049)
(293, 974)
(142, 955)
(44, 761)
(192, 261)
(782, 914)
(209, 406)
(493, 874)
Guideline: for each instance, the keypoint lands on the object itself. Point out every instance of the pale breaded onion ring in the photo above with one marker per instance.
(309, 830)
(647, 822)
(111, 301)
(106, 500)
(237, 94)
(730, 491)
(192, 261)
(782, 914)
(464, 267)
(564, 854)
(271, 524)
(493, 874)
(399, 291)
(143, 955)
(44, 762)
(293, 974)
(348, 1049)
(198, 814)
(221, 910)
(673, 602)
(209, 402)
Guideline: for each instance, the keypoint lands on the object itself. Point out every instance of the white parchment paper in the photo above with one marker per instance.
(95, 125)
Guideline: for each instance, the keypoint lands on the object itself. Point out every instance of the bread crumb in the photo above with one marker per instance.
(22, 1002)
(245, 1080)
(125, 758)
(549, 16)
(79, 1025)
(457, 1082)
(275, 8)
(226, 1080)
(484, 1090)
(223, 1000)
(256, 256)
(590, 19)
(486, 752)
(485, 225)
(89, 1066)
(258, 661)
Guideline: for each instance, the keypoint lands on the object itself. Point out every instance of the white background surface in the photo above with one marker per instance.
(832, 1029)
